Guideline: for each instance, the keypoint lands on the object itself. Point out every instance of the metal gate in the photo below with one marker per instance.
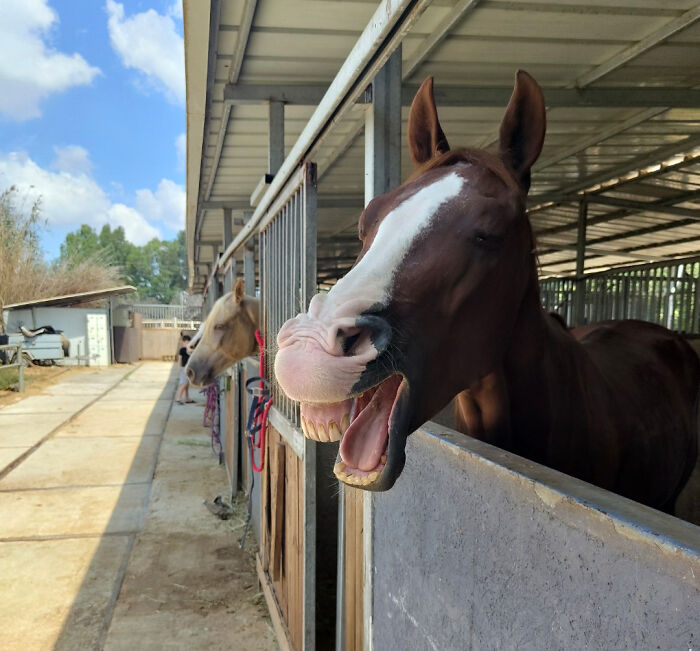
(665, 293)
(286, 564)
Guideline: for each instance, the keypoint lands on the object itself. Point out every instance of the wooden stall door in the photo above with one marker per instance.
(282, 543)
(229, 432)
(354, 569)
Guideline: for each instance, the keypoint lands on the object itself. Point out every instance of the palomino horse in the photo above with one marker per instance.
(226, 336)
(444, 300)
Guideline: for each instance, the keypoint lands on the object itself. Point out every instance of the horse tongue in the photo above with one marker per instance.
(365, 441)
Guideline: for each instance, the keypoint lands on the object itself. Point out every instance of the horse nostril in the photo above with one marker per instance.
(190, 374)
(349, 343)
(374, 331)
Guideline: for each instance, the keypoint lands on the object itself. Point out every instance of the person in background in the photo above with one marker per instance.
(184, 383)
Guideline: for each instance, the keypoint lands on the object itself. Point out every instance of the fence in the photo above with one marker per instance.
(18, 362)
(663, 293)
(288, 267)
(287, 561)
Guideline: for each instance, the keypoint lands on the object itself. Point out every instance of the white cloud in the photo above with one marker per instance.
(181, 151)
(72, 159)
(149, 42)
(30, 69)
(166, 205)
(70, 196)
(175, 9)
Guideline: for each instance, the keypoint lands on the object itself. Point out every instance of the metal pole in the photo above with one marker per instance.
(579, 313)
(249, 260)
(227, 239)
(383, 130)
(20, 368)
(382, 173)
(275, 142)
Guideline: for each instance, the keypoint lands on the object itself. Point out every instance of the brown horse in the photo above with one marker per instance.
(226, 336)
(444, 300)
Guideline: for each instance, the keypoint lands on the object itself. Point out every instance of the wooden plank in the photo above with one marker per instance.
(277, 465)
(278, 624)
(293, 573)
(354, 565)
(230, 434)
(348, 541)
(287, 557)
(300, 548)
(265, 507)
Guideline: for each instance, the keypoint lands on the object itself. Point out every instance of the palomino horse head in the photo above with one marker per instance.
(431, 303)
(227, 336)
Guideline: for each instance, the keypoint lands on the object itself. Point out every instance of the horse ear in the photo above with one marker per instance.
(425, 136)
(238, 290)
(523, 127)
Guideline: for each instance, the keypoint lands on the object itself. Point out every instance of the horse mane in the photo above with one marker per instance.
(481, 157)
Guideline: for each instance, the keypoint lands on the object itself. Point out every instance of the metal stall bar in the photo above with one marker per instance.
(287, 250)
(664, 293)
(382, 173)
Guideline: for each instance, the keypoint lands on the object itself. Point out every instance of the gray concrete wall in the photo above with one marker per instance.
(475, 548)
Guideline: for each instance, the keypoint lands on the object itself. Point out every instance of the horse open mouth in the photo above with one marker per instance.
(362, 424)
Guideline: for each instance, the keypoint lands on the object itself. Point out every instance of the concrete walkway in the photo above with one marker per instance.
(104, 541)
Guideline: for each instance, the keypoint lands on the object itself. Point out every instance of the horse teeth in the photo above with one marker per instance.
(303, 427)
(339, 467)
(311, 428)
(383, 459)
(321, 432)
(373, 475)
(334, 432)
(344, 424)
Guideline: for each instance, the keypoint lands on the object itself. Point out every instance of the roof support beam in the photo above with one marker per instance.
(618, 214)
(391, 21)
(234, 72)
(591, 251)
(643, 206)
(431, 42)
(643, 97)
(656, 156)
(653, 39)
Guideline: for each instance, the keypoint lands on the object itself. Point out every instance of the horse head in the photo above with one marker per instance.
(430, 305)
(226, 336)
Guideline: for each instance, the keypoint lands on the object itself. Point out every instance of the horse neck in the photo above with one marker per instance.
(545, 367)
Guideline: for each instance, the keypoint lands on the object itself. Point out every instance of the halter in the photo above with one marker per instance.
(257, 425)
(259, 409)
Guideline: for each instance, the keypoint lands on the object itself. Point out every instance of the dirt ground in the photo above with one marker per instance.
(36, 379)
(105, 541)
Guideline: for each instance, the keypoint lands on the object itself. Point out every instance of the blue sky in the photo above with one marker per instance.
(92, 115)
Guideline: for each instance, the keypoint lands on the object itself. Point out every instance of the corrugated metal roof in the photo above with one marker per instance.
(73, 299)
(619, 49)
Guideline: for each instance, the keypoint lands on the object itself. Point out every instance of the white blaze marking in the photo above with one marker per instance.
(369, 282)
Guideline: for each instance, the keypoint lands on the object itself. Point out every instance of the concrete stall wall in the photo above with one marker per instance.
(477, 548)
(159, 343)
(74, 323)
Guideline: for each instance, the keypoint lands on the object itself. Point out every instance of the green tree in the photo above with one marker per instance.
(80, 246)
(158, 269)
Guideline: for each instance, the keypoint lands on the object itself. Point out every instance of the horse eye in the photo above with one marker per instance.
(219, 326)
(487, 241)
